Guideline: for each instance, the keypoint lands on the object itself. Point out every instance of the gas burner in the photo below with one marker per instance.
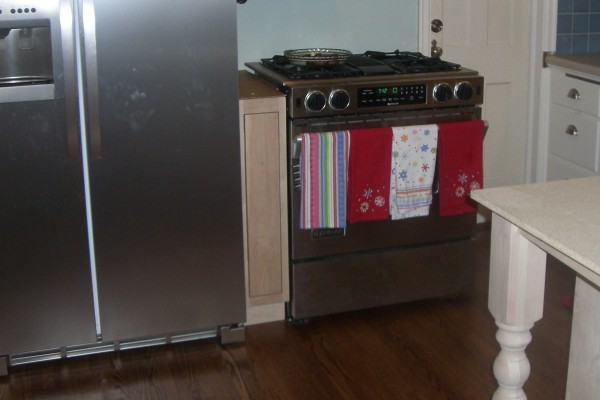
(406, 62)
(294, 71)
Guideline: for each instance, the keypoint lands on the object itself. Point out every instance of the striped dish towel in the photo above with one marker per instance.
(323, 172)
(414, 151)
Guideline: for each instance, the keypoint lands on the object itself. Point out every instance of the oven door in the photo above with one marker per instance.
(372, 236)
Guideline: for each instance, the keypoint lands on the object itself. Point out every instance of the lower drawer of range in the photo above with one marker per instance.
(369, 280)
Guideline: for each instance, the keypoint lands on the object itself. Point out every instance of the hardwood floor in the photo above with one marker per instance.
(429, 350)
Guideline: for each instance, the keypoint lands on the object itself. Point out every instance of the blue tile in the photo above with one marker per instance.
(594, 23)
(595, 43)
(595, 5)
(565, 6)
(564, 24)
(563, 44)
(580, 44)
(581, 23)
(581, 5)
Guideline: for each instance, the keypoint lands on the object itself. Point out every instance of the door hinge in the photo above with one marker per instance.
(545, 54)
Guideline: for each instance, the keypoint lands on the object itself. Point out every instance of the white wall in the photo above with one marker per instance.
(268, 27)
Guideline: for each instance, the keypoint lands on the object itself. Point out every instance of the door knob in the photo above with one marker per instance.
(436, 51)
(437, 25)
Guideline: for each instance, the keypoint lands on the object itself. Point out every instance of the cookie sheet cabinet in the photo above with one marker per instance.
(264, 196)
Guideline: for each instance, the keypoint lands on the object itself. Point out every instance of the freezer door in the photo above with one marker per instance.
(46, 297)
(45, 282)
(165, 173)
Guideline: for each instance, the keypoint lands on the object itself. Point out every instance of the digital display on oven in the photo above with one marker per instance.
(388, 96)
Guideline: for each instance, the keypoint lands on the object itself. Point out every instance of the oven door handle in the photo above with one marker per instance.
(296, 152)
(296, 147)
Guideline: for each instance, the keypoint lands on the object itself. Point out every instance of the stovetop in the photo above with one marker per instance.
(371, 63)
(371, 82)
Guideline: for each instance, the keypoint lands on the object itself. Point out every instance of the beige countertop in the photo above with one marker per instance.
(588, 63)
(253, 87)
(563, 215)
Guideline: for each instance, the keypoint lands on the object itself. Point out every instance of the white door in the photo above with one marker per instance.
(492, 37)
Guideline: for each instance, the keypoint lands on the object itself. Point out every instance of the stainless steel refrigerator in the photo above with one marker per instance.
(120, 202)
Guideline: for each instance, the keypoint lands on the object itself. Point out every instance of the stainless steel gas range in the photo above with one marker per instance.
(375, 263)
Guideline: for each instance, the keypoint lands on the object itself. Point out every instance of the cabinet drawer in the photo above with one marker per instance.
(559, 168)
(578, 94)
(581, 147)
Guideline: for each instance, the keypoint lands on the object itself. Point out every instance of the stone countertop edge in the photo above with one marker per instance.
(563, 214)
(587, 63)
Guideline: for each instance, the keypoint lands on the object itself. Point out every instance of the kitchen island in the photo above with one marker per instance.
(560, 218)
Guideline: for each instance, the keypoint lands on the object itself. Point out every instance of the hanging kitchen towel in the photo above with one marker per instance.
(414, 152)
(460, 165)
(323, 174)
(369, 174)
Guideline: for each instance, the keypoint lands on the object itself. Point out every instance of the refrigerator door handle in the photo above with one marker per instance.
(70, 77)
(88, 25)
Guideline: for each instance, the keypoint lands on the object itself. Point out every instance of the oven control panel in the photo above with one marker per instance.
(387, 96)
(313, 100)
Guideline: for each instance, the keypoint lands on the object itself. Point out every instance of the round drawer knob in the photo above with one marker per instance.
(574, 94)
(572, 130)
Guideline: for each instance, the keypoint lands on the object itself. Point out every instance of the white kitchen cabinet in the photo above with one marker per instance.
(574, 124)
(264, 196)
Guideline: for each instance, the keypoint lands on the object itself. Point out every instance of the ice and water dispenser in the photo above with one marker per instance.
(27, 63)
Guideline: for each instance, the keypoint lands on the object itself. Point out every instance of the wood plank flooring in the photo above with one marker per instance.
(428, 350)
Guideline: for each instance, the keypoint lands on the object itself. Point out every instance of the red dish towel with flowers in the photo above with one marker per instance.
(460, 165)
(369, 167)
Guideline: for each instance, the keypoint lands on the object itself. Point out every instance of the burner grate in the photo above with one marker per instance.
(294, 71)
(369, 63)
(406, 62)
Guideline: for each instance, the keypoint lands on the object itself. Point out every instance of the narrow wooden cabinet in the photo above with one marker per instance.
(264, 196)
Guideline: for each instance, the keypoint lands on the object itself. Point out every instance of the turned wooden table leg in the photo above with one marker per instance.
(511, 367)
(583, 381)
(516, 299)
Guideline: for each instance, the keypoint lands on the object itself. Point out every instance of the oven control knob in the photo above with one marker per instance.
(339, 99)
(442, 92)
(315, 101)
(463, 91)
